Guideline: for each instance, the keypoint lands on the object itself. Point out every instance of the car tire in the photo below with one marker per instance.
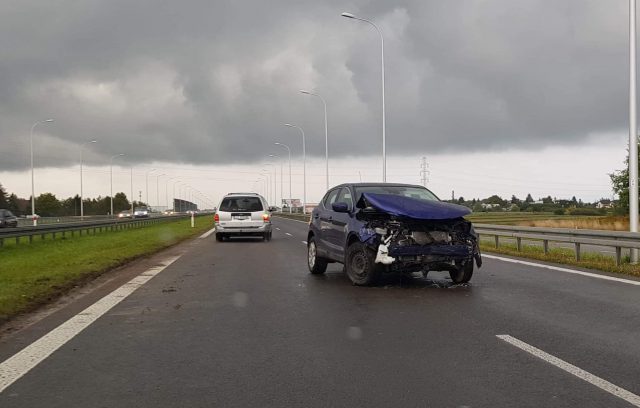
(360, 265)
(266, 236)
(317, 265)
(219, 237)
(463, 272)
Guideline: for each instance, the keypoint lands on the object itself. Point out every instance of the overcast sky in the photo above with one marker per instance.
(501, 96)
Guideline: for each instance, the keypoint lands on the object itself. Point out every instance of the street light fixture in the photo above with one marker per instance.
(33, 195)
(326, 134)
(304, 168)
(81, 189)
(111, 179)
(384, 139)
(290, 197)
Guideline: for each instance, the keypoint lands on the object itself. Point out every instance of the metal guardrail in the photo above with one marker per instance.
(578, 237)
(88, 227)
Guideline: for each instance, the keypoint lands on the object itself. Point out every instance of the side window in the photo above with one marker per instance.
(330, 198)
(345, 197)
(8, 213)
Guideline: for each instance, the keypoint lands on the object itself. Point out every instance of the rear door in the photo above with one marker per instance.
(323, 219)
(340, 224)
(241, 211)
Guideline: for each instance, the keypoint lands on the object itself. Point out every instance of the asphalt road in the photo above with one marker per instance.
(243, 324)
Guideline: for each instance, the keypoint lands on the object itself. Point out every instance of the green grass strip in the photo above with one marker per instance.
(564, 256)
(32, 274)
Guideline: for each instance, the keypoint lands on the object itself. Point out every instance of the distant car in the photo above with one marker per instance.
(141, 212)
(374, 228)
(7, 219)
(168, 212)
(124, 214)
(242, 214)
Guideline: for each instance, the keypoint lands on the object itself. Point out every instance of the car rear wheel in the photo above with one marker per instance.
(317, 265)
(219, 237)
(360, 265)
(266, 236)
(463, 272)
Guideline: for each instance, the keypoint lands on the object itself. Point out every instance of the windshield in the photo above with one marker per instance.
(405, 191)
(241, 204)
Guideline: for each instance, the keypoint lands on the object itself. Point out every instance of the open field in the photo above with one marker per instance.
(31, 274)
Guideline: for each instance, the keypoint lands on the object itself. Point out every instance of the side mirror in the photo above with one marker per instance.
(340, 207)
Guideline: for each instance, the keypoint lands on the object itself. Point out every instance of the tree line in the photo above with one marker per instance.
(48, 205)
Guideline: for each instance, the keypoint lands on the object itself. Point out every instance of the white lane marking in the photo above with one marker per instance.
(605, 385)
(566, 270)
(304, 242)
(206, 234)
(608, 252)
(278, 228)
(29, 357)
(286, 233)
(291, 219)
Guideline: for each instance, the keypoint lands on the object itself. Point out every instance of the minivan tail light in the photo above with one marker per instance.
(265, 217)
(216, 217)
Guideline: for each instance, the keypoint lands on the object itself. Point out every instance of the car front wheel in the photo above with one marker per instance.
(317, 265)
(360, 265)
(463, 272)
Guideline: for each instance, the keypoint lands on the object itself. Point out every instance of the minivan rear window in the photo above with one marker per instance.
(241, 204)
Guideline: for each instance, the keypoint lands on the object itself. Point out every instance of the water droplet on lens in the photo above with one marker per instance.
(354, 333)
(240, 299)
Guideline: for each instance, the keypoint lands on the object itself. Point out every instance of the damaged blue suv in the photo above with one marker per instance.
(373, 228)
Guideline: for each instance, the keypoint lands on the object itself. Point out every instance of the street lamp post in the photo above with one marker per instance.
(33, 194)
(275, 156)
(265, 173)
(81, 189)
(290, 197)
(274, 190)
(132, 208)
(111, 179)
(304, 168)
(326, 135)
(384, 139)
(633, 141)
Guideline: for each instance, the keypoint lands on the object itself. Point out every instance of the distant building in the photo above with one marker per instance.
(604, 203)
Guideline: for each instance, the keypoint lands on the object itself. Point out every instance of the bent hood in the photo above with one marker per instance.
(415, 208)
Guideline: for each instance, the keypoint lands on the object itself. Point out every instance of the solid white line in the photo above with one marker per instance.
(206, 234)
(22, 362)
(605, 385)
(566, 270)
(286, 233)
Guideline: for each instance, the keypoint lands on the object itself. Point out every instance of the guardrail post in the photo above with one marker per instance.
(577, 244)
(497, 241)
(618, 256)
(53, 235)
(519, 243)
(545, 246)
(30, 239)
(42, 237)
(17, 240)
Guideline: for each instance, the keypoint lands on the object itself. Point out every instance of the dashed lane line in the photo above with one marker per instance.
(286, 233)
(22, 362)
(605, 385)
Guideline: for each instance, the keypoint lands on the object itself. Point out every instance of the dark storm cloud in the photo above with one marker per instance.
(212, 81)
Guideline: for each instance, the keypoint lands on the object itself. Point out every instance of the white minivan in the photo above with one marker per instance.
(243, 214)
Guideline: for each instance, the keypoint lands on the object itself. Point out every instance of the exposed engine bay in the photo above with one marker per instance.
(408, 244)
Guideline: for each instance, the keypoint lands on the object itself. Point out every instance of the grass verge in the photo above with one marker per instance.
(563, 256)
(32, 274)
